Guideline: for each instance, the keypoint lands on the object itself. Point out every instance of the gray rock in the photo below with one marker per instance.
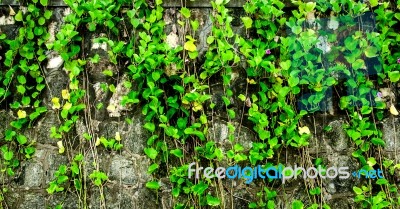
(101, 160)
(337, 137)
(115, 101)
(42, 131)
(220, 133)
(5, 118)
(69, 201)
(391, 134)
(51, 163)
(32, 201)
(335, 140)
(33, 176)
(12, 197)
(341, 185)
(129, 171)
(133, 136)
(342, 203)
(122, 170)
(100, 97)
(203, 16)
(124, 198)
(57, 80)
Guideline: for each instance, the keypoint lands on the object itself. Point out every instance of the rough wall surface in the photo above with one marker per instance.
(127, 169)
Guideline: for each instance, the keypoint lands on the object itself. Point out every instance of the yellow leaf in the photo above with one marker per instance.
(393, 110)
(251, 81)
(65, 94)
(197, 106)
(56, 103)
(97, 141)
(184, 101)
(371, 162)
(67, 106)
(279, 80)
(12, 12)
(21, 114)
(111, 108)
(304, 130)
(189, 45)
(181, 23)
(73, 85)
(61, 147)
(117, 136)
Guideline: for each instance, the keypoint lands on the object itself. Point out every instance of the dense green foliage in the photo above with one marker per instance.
(281, 63)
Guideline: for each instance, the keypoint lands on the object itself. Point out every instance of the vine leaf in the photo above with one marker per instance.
(61, 147)
(371, 52)
(304, 130)
(153, 185)
(185, 12)
(44, 2)
(393, 110)
(18, 17)
(21, 114)
(247, 22)
(189, 45)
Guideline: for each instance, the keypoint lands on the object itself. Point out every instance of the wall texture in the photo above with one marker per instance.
(127, 169)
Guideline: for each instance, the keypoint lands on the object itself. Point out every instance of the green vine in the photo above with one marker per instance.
(280, 69)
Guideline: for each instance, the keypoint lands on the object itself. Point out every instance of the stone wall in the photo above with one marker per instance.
(127, 169)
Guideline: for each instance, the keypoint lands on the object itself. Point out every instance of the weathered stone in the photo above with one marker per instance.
(4, 20)
(172, 40)
(32, 201)
(95, 70)
(12, 197)
(345, 203)
(96, 161)
(387, 95)
(341, 185)
(33, 176)
(122, 169)
(42, 132)
(115, 100)
(391, 134)
(129, 171)
(133, 135)
(220, 133)
(57, 80)
(241, 194)
(334, 140)
(100, 98)
(55, 62)
(203, 16)
(337, 137)
(323, 44)
(5, 117)
(69, 201)
(52, 162)
(124, 198)
(81, 129)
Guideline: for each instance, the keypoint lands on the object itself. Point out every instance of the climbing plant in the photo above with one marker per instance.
(290, 65)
